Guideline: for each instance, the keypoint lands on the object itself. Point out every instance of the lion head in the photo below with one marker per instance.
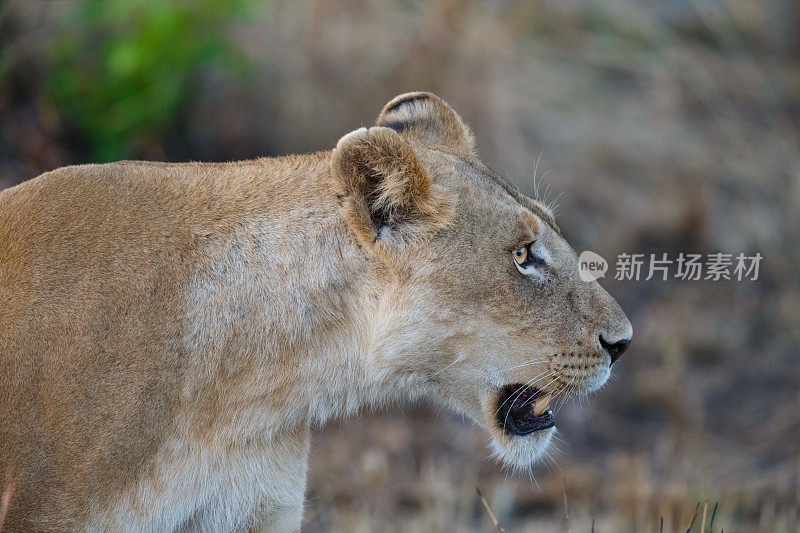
(480, 302)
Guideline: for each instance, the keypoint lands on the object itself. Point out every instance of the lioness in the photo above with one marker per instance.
(169, 332)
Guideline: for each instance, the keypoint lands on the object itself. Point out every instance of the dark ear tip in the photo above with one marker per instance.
(425, 117)
(397, 101)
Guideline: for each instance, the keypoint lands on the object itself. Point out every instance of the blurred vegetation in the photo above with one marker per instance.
(123, 72)
(664, 126)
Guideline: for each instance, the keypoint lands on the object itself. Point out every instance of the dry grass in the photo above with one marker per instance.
(664, 127)
(7, 489)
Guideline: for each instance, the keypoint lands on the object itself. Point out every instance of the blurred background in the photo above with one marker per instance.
(663, 126)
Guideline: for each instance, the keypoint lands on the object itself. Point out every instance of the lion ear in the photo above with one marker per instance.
(426, 118)
(385, 193)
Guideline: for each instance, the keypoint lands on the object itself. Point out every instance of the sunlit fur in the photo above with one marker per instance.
(170, 332)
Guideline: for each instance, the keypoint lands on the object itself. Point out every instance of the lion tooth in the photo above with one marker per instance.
(541, 405)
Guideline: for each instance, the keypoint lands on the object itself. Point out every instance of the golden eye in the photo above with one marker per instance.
(521, 255)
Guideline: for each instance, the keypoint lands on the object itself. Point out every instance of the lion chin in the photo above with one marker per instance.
(521, 422)
(520, 452)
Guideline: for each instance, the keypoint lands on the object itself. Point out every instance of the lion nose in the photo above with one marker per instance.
(615, 349)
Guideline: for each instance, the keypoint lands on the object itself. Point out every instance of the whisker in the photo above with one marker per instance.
(526, 401)
(565, 393)
(526, 363)
(518, 393)
(543, 388)
(456, 360)
(535, 171)
(521, 389)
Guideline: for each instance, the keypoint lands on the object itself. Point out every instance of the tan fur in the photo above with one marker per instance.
(169, 332)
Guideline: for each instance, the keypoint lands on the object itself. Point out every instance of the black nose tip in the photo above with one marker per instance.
(614, 349)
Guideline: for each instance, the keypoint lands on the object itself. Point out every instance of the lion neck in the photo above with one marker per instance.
(287, 312)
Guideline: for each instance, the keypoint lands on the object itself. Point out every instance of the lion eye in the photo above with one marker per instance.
(521, 255)
(527, 258)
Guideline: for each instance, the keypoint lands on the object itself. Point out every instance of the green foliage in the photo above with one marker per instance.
(121, 72)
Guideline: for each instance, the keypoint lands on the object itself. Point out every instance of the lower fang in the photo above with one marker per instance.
(541, 405)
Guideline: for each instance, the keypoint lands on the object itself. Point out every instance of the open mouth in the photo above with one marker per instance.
(521, 410)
